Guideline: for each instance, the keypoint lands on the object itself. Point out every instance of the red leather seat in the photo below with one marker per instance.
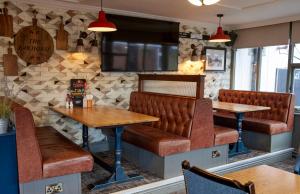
(155, 140)
(252, 124)
(277, 120)
(265, 126)
(60, 156)
(185, 124)
(225, 135)
(43, 152)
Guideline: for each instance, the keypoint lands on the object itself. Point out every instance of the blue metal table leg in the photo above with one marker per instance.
(239, 147)
(85, 137)
(119, 175)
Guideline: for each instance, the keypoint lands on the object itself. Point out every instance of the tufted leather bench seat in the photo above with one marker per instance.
(225, 135)
(275, 121)
(185, 124)
(43, 152)
(60, 156)
(156, 141)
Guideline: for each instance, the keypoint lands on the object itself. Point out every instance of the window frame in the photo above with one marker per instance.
(291, 68)
(233, 67)
(291, 65)
(294, 66)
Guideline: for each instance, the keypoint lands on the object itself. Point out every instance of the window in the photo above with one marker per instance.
(296, 74)
(265, 68)
(296, 85)
(296, 58)
(274, 69)
(245, 69)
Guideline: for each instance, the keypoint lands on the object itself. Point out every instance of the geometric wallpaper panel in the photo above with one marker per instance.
(39, 86)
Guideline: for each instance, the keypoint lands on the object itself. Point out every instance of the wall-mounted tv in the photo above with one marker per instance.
(140, 45)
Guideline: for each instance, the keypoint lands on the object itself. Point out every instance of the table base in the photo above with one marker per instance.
(239, 147)
(118, 173)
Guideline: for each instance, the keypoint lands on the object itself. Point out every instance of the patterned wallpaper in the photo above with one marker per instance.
(39, 86)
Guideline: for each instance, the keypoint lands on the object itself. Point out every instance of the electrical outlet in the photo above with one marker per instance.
(215, 154)
(55, 188)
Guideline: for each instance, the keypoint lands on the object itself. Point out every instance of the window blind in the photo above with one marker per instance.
(271, 35)
(296, 32)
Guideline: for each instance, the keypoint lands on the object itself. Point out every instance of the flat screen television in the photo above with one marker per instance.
(140, 45)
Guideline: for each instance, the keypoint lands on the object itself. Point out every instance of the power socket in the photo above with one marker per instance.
(215, 154)
(55, 188)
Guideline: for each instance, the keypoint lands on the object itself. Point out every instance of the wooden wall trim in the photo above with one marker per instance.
(198, 79)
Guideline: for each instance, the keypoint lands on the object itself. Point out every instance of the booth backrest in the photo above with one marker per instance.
(282, 104)
(176, 113)
(183, 116)
(28, 150)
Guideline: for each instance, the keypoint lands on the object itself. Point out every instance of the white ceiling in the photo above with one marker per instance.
(237, 13)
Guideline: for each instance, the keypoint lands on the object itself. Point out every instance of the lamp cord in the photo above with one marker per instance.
(101, 4)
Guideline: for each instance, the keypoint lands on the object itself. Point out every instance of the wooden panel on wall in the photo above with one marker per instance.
(6, 23)
(33, 44)
(62, 37)
(10, 63)
(198, 79)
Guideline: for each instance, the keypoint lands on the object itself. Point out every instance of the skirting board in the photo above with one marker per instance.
(168, 184)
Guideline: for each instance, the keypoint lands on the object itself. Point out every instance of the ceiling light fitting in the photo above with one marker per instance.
(102, 24)
(220, 36)
(203, 2)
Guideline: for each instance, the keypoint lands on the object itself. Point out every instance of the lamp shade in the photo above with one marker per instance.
(219, 36)
(79, 53)
(102, 25)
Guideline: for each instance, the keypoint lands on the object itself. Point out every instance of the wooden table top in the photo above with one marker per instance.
(104, 116)
(268, 180)
(237, 108)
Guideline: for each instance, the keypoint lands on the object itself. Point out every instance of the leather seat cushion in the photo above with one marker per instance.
(225, 135)
(271, 127)
(60, 155)
(155, 140)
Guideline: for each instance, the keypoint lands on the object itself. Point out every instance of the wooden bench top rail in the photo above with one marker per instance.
(198, 79)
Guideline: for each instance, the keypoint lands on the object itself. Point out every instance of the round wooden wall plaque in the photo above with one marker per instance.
(33, 44)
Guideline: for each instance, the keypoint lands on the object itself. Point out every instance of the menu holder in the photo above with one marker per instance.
(77, 91)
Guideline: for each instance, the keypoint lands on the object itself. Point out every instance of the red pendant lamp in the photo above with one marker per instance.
(220, 36)
(102, 25)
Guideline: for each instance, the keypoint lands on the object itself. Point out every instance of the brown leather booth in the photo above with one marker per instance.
(185, 124)
(278, 119)
(43, 152)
